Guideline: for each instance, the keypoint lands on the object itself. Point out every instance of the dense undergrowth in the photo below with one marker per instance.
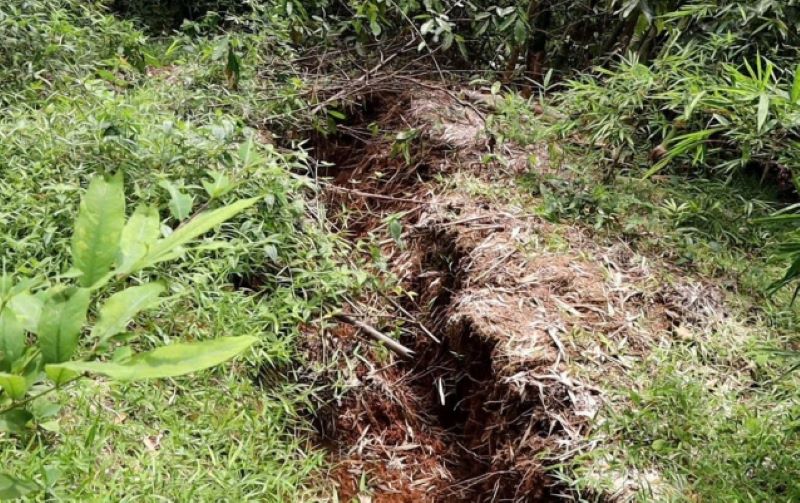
(683, 147)
(85, 93)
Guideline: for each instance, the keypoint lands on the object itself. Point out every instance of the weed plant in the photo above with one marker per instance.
(86, 94)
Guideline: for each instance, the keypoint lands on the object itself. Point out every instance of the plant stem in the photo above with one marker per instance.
(31, 398)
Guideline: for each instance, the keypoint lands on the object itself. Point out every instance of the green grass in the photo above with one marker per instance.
(101, 97)
(715, 418)
(208, 438)
(712, 415)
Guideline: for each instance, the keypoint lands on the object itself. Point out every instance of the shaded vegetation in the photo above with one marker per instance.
(87, 94)
(672, 126)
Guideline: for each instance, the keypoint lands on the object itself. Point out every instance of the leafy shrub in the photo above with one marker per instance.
(105, 249)
(180, 131)
(49, 44)
(711, 90)
(160, 15)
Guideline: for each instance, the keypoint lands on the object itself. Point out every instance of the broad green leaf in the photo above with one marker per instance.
(63, 316)
(395, 229)
(168, 361)
(121, 307)
(28, 309)
(200, 224)
(763, 110)
(138, 235)
(180, 203)
(51, 475)
(98, 228)
(12, 338)
(12, 488)
(9, 288)
(59, 376)
(14, 420)
(15, 386)
(520, 31)
(375, 27)
(44, 409)
(220, 49)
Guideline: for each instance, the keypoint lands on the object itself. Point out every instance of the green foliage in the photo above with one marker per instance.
(712, 91)
(14, 488)
(483, 34)
(683, 149)
(788, 248)
(170, 361)
(62, 317)
(164, 249)
(50, 43)
(120, 308)
(704, 212)
(726, 120)
(180, 203)
(64, 308)
(86, 95)
(706, 430)
(95, 242)
(160, 15)
(12, 337)
(713, 86)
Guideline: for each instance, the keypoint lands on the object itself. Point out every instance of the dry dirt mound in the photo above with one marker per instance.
(507, 331)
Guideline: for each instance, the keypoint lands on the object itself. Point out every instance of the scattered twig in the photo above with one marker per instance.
(377, 196)
(411, 317)
(363, 79)
(434, 87)
(390, 343)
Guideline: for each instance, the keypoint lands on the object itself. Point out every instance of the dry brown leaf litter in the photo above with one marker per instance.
(527, 329)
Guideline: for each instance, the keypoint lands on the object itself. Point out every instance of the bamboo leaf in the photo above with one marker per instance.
(121, 307)
(763, 111)
(681, 145)
(202, 223)
(60, 327)
(168, 361)
(98, 228)
(788, 217)
(795, 94)
(791, 274)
